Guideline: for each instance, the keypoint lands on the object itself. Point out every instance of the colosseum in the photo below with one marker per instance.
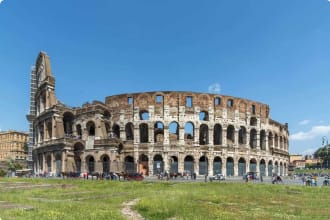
(153, 132)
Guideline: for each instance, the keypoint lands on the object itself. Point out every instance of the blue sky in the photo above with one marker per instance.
(275, 52)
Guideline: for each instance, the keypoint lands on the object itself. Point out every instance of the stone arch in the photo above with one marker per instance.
(78, 149)
(106, 115)
(107, 128)
(79, 131)
(129, 130)
(90, 162)
(90, 126)
(203, 165)
(158, 164)
(49, 127)
(217, 134)
(217, 165)
(174, 131)
(276, 141)
(263, 140)
(159, 132)
(174, 168)
(253, 165)
(144, 134)
(189, 131)
(262, 167)
(115, 131)
(105, 159)
(230, 135)
(144, 164)
(276, 167)
(253, 138)
(68, 119)
(58, 164)
(129, 164)
(270, 168)
(144, 115)
(242, 135)
(189, 164)
(230, 166)
(203, 134)
(49, 163)
(241, 166)
(204, 116)
(253, 121)
(270, 140)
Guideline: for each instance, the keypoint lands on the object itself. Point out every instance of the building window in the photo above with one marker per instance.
(253, 109)
(159, 98)
(130, 100)
(189, 101)
(217, 101)
(230, 103)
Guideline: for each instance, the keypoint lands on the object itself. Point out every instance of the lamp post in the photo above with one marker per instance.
(325, 140)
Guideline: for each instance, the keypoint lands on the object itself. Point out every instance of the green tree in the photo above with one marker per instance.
(13, 165)
(323, 154)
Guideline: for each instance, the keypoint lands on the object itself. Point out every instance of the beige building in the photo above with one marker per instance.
(12, 145)
(152, 132)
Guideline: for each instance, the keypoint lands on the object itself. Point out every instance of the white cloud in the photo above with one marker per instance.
(304, 122)
(309, 151)
(316, 131)
(1, 1)
(214, 88)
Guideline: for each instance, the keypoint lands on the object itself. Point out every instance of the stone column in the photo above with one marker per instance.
(210, 166)
(224, 137)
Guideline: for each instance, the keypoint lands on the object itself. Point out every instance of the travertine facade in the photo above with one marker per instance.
(12, 145)
(153, 132)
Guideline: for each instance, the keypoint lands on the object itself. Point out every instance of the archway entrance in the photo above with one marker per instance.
(189, 164)
(262, 168)
(90, 164)
(58, 162)
(129, 164)
(241, 166)
(230, 166)
(174, 164)
(49, 163)
(143, 164)
(105, 164)
(253, 165)
(217, 165)
(158, 164)
(270, 168)
(203, 165)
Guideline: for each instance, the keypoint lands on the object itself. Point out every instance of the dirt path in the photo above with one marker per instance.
(128, 212)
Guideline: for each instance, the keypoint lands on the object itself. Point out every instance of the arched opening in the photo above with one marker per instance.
(253, 121)
(49, 129)
(230, 135)
(242, 135)
(270, 168)
(281, 168)
(78, 149)
(159, 132)
(106, 115)
(174, 131)
(105, 164)
(58, 163)
(79, 131)
(143, 164)
(144, 115)
(270, 140)
(129, 130)
(253, 139)
(276, 167)
(143, 133)
(68, 118)
(90, 128)
(203, 134)
(281, 142)
(107, 128)
(188, 165)
(276, 141)
(158, 164)
(263, 140)
(189, 132)
(41, 132)
(230, 166)
(116, 131)
(90, 164)
(129, 164)
(203, 165)
(217, 165)
(204, 116)
(174, 165)
(253, 165)
(49, 163)
(262, 167)
(241, 166)
(217, 134)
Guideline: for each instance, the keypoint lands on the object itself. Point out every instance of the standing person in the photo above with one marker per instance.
(205, 177)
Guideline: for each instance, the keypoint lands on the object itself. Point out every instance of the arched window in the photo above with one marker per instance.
(203, 134)
(174, 131)
(143, 133)
(253, 138)
(230, 135)
(242, 135)
(253, 121)
(129, 130)
(90, 128)
(189, 131)
(262, 140)
(204, 116)
(68, 123)
(144, 115)
(159, 132)
(217, 134)
(116, 131)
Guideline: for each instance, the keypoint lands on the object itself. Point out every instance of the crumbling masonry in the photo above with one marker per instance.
(153, 132)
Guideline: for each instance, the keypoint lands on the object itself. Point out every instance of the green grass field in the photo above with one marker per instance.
(79, 199)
